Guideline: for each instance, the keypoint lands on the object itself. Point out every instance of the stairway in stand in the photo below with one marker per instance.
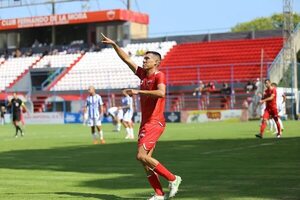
(39, 102)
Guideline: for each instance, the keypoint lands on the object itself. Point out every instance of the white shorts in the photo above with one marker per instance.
(114, 111)
(94, 122)
(128, 116)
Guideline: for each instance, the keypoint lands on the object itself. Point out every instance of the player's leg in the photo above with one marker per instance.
(94, 134)
(263, 125)
(16, 120)
(130, 124)
(154, 180)
(125, 124)
(273, 127)
(131, 129)
(15, 123)
(157, 167)
(274, 113)
(101, 135)
(271, 124)
(280, 123)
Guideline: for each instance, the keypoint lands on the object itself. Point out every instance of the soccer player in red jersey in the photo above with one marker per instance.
(152, 92)
(269, 97)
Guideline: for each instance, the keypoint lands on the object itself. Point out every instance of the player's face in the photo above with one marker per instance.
(15, 95)
(268, 84)
(91, 90)
(150, 61)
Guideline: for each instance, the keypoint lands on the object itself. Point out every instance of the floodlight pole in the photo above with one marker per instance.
(128, 4)
(53, 38)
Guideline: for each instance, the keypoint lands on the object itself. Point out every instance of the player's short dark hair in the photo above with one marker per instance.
(267, 80)
(154, 53)
(274, 84)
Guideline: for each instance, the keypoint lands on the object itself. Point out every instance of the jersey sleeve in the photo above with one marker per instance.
(274, 92)
(161, 78)
(141, 73)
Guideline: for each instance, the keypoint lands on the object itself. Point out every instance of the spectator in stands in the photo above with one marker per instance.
(210, 87)
(35, 43)
(225, 93)
(29, 53)
(250, 87)
(244, 115)
(17, 53)
(198, 92)
(258, 86)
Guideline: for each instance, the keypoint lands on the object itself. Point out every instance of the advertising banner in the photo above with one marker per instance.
(44, 118)
(210, 115)
(74, 18)
(173, 117)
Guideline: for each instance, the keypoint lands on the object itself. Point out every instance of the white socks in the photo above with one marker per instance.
(94, 135)
(130, 134)
(101, 135)
(118, 127)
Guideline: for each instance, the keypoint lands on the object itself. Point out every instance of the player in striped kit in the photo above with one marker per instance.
(127, 106)
(94, 108)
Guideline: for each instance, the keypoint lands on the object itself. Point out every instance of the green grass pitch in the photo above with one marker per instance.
(220, 160)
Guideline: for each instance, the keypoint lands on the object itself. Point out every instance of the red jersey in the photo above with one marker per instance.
(270, 104)
(152, 108)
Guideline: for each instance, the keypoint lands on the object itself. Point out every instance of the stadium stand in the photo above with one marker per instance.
(57, 61)
(101, 68)
(13, 68)
(213, 61)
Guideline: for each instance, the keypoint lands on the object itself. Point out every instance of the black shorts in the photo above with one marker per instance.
(16, 117)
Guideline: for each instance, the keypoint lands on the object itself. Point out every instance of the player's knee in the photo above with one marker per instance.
(141, 157)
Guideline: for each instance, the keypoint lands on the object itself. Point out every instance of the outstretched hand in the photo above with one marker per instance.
(131, 92)
(107, 40)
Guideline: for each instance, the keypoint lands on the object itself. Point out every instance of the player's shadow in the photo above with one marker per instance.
(95, 196)
(212, 169)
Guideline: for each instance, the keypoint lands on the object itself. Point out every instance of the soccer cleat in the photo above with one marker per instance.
(156, 197)
(102, 141)
(173, 186)
(258, 136)
(95, 141)
(274, 133)
(278, 136)
(131, 137)
(127, 137)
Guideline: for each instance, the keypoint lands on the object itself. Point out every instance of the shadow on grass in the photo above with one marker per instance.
(96, 196)
(219, 169)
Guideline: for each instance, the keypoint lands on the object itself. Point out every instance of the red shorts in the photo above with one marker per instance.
(270, 113)
(149, 134)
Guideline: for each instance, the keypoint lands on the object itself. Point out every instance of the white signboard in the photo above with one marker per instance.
(44, 118)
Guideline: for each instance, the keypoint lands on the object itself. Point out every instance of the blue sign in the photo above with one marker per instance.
(77, 118)
(72, 118)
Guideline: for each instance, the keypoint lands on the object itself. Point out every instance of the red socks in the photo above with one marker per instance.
(262, 127)
(161, 170)
(155, 183)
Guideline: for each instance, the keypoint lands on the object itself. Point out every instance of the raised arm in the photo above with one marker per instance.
(122, 54)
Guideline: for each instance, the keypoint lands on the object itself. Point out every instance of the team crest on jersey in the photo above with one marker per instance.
(149, 82)
(17, 104)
